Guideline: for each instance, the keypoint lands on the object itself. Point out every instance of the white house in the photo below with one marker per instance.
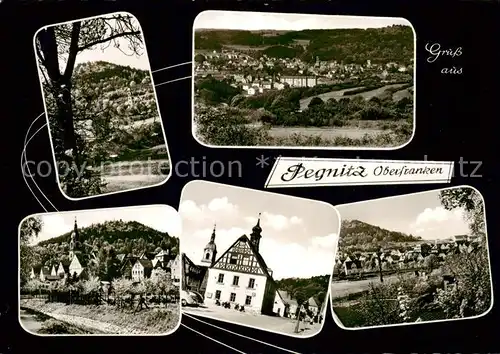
(312, 306)
(241, 276)
(175, 268)
(280, 307)
(142, 269)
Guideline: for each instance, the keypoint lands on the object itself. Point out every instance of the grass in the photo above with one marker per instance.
(134, 168)
(121, 183)
(367, 140)
(156, 320)
(346, 288)
(57, 327)
(351, 316)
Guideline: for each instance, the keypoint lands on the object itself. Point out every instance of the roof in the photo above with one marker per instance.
(52, 277)
(45, 271)
(260, 260)
(311, 302)
(162, 253)
(65, 262)
(37, 268)
(286, 297)
(351, 264)
(146, 263)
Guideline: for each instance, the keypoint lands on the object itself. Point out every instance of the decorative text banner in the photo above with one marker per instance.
(317, 172)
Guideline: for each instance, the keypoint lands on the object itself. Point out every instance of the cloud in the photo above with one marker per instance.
(438, 223)
(275, 221)
(222, 205)
(292, 260)
(328, 241)
(438, 214)
(217, 208)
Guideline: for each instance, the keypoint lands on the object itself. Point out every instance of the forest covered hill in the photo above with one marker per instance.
(117, 235)
(380, 45)
(356, 235)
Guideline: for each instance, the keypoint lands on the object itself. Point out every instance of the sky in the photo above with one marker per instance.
(109, 53)
(418, 214)
(159, 217)
(299, 236)
(272, 21)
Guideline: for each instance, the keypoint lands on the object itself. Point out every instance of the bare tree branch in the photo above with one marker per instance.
(104, 40)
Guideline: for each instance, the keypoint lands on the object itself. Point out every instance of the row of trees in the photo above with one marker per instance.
(282, 107)
(229, 127)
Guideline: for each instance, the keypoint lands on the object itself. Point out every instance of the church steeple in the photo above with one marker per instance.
(74, 240)
(212, 238)
(210, 250)
(255, 236)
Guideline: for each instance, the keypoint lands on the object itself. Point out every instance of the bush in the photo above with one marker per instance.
(471, 295)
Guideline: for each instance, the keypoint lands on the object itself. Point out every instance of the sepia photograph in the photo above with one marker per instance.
(303, 80)
(256, 259)
(100, 102)
(101, 272)
(415, 258)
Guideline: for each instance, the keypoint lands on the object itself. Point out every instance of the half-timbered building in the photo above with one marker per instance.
(240, 276)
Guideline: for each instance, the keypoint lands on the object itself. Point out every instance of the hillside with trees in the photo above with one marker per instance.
(356, 235)
(105, 240)
(380, 45)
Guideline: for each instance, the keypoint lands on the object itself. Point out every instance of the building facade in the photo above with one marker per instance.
(241, 276)
(299, 81)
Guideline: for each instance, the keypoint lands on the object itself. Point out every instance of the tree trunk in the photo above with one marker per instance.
(60, 85)
(297, 325)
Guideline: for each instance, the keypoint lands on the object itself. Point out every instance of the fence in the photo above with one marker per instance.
(99, 297)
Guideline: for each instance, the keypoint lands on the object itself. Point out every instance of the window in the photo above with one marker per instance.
(217, 294)
(236, 280)
(221, 278)
(232, 298)
(233, 260)
(207, 256)
(251, 283)
(248, 300)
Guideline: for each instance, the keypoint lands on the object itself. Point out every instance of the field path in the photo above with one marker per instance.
(86, 323)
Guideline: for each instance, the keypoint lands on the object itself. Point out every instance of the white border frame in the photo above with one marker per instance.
(167, 177)
(329, 148)
(341, 325)
(92, 334)
(266, 193)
